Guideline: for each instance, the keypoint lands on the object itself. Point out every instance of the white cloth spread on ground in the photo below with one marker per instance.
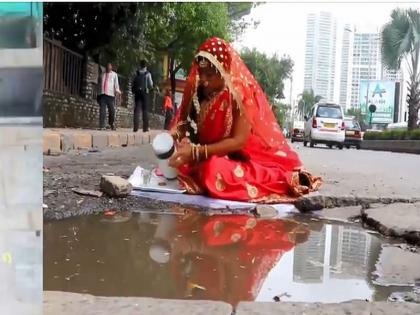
(171, 192)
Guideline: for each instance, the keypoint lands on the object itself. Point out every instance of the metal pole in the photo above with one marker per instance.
(367, 102)
(291, 90)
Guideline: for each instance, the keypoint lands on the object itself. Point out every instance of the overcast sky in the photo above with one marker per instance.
(282, 29)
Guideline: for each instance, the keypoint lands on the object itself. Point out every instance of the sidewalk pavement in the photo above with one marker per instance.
(21, 219)
(83, 304)
(20, 178)
(62, 140)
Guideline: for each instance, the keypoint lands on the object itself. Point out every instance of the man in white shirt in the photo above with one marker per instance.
(108, 89)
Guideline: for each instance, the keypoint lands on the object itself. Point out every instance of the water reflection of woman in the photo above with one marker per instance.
(231, 146)
(227, 257)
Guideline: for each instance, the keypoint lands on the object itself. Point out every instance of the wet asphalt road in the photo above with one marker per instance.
(345, 172)
(363, 173)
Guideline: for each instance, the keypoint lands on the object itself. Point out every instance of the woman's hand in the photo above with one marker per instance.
(182, 156)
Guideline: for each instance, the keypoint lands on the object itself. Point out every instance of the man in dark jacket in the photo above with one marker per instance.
(142, 84)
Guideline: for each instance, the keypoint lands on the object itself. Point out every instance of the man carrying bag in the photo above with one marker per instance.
(142, 83)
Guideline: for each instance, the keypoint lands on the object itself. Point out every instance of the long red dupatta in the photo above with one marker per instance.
(273, 171)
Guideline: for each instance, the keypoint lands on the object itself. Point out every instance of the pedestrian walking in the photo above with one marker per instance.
(142, 84)
(109, 88)
(168, 109)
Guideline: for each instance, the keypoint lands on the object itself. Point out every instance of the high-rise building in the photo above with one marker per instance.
(346, 62)
(308, 263)
(349, 255)
(366, 63)
(392, 75)
(320, 50)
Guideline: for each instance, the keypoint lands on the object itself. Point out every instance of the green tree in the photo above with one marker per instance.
(270, 72)
(182, 27)
(238, 11)
(280, 111)
(306, 101)
(358, 116)
(85, 26)
(128, 32)
(401, 41)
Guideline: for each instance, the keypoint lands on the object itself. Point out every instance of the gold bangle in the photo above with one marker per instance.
(198, 153)
(192, 151)
(206, 152)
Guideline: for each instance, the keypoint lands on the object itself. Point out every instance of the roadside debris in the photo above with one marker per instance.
(277, 298)
(264, 212)
(110, 213)
(93, 193)
(115, 186)
(114, 216)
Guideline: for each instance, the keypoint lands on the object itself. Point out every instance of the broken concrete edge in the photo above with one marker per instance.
(318, 202)
(343, 215)
(51, 214)
(315, 203)
(411, 237)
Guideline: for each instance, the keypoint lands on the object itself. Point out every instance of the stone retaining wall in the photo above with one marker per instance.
(82, 110)
(61, 111)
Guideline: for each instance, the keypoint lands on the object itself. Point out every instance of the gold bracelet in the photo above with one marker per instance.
(206, 152)
(192, 151)
(198, 152)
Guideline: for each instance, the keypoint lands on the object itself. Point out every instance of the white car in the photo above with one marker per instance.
(326, 126)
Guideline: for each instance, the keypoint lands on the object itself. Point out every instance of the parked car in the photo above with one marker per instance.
(326, 126)
(298, 131)
(353, 135)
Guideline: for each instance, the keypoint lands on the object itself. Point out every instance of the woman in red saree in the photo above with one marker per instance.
(228, 257)
(230, 144)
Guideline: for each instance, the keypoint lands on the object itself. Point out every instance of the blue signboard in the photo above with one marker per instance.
(382, 95)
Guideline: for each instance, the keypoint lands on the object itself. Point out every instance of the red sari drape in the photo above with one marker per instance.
(266, 170)
(229, 256)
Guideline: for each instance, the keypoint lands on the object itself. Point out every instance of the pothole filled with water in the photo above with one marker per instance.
(188, 255)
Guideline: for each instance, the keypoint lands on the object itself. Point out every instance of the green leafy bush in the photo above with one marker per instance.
(396, 134)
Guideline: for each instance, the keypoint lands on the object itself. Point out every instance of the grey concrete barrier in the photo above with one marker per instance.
(401, 146)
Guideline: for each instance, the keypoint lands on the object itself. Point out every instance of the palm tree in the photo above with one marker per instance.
(401, 41)
(306, 100)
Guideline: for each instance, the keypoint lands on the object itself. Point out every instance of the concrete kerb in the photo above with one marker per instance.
(73, 303)
(82, 141)
(114, 141)
(51, 142)
(58, 141)
(100, 141)
(351, 307)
